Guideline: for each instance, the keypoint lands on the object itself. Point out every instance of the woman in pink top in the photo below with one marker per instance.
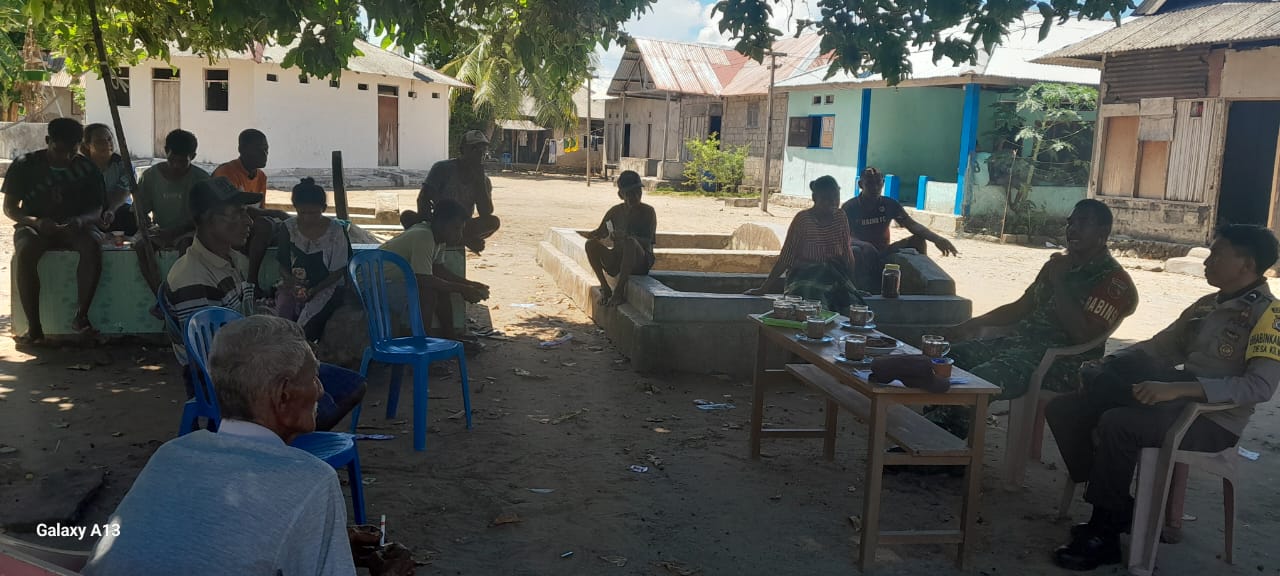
(816, 257)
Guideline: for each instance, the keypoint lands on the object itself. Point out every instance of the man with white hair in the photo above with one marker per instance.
(239, 501)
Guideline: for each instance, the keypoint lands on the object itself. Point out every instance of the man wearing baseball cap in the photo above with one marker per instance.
(213, 272)
(461, 179)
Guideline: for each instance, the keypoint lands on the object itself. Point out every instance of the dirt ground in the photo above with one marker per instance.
(573, 430)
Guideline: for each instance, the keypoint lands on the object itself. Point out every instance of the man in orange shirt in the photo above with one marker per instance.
(246, 173)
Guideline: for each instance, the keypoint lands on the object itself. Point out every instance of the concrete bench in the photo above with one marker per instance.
(906, 428)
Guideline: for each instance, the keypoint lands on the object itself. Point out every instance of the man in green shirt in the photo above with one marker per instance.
(162, 204)
(1076, 297)
(422, 245)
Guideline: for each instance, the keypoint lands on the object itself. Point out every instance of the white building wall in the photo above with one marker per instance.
(304, 123)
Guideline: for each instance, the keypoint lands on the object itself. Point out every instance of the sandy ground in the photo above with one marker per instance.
(586, 417)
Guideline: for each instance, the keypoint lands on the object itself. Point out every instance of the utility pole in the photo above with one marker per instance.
(590, 74)
(768, 132)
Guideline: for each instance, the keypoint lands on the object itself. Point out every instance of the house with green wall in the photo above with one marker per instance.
(930, 131)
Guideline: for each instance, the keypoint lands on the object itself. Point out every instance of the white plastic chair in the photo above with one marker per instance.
(1026, 413)
(1155, 472)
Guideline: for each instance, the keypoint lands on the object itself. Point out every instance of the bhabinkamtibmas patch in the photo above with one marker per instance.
(1264, 341)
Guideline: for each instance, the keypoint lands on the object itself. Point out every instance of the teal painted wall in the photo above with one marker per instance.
(915, 132)
(801, 165)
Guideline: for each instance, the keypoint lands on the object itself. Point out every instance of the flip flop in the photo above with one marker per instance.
(27, 340)
(85, 329)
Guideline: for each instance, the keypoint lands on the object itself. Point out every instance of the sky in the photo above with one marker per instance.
(692, 21)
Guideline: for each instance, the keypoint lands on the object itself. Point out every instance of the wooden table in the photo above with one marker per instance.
(886, 413)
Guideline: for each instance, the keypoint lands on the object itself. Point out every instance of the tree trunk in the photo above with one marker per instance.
(104, 70)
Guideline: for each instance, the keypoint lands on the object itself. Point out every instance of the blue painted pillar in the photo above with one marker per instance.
(968, 143)
(922, 189)
(891, 186)
(864, 131)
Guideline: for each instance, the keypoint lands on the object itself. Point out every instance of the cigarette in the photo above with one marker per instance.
(382, 529)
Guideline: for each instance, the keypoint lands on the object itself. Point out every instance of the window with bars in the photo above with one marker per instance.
(217, 90)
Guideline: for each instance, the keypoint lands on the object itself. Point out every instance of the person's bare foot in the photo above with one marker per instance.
(619, 298)
(34, 338)
(476, 245)
(82, 326)
(606, 295)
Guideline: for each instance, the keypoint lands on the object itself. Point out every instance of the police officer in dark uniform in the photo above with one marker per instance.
(1228, 345)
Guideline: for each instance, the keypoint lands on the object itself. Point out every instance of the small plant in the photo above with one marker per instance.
(713, 167)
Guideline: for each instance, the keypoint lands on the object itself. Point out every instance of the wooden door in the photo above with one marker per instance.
(388, 126)
(166, 111)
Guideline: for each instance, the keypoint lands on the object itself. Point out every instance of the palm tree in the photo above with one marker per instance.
(502, 87)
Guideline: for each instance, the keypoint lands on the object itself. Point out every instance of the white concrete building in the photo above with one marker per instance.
(384, 111)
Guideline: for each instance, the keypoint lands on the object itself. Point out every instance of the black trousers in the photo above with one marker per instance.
(1123, 427)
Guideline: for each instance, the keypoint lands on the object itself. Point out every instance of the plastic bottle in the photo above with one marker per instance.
(891, 281)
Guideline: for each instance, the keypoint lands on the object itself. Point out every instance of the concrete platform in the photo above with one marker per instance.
(696, 321)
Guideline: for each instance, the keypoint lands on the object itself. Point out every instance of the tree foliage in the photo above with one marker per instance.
(715, 167)
(878, 36)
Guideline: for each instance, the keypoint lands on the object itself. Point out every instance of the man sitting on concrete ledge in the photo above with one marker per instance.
(632, 227)
(869, 214)
(462, 180)
(55, 198)
(1077, 297)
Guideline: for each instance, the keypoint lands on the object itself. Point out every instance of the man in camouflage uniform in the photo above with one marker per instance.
(1228, 345)
(1076, 297)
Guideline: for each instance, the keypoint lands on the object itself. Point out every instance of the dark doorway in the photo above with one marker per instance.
(1249, 163)
(626, 141)
(713, 126)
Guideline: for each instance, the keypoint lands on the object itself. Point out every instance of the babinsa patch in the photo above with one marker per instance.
(1264, 341)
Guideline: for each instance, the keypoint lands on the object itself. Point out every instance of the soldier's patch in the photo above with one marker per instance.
(1264, 341)
(1225, 350)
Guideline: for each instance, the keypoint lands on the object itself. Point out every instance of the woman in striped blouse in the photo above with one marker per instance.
(816, 258)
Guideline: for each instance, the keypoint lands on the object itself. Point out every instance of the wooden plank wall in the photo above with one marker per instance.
(1120, 158)
(1192, 148)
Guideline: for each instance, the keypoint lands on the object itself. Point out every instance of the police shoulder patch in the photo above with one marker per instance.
(1264, 341)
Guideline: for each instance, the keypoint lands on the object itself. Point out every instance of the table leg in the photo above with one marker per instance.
(829, 441)
(757, 395)
(874, 481)
(973, 481)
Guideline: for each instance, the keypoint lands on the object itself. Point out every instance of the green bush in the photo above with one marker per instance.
(719, 168)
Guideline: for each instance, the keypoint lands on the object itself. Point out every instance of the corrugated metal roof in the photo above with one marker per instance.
(684, 68)
(1220, 23)
(373, 60)
(1013, 60)
(754, 76)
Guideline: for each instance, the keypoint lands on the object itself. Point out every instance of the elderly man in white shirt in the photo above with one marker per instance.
(240, 501)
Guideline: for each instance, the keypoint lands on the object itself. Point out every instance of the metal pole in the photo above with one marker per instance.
(339, 187)
(624, 141)
(768, 132)
(589, 130)
(666, 130)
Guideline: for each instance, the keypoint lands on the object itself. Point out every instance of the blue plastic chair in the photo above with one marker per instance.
(204, 404)
(334, 448)
(368, 275)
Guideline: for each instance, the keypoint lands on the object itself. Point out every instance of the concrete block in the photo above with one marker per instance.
(921, 310)
(921, 275)
(759, 236)
(1185, 265)
(1199, 252)
(742, 202)
(386, 208)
